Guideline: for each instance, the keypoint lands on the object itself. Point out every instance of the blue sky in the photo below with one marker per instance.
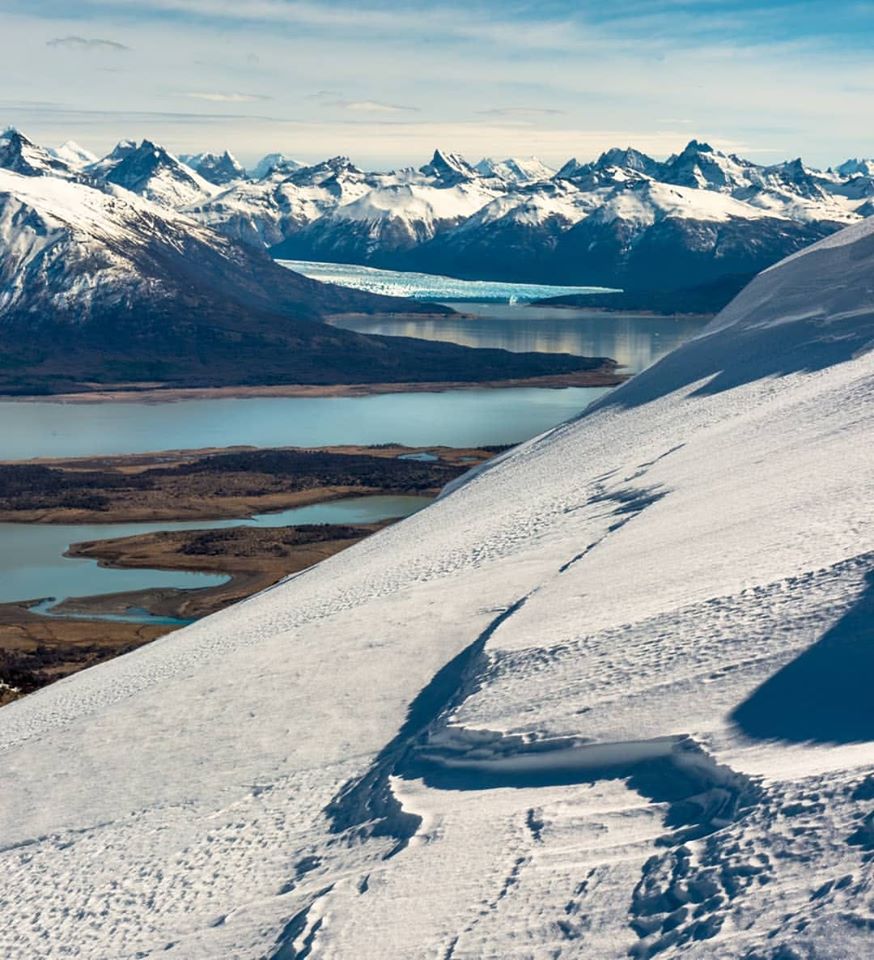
(387, 82)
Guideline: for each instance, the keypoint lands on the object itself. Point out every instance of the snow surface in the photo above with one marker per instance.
(73, 154)
(515, 169)
(400, 752)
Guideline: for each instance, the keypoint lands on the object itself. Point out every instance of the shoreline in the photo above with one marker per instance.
(38, 649)
(234, 483)
(249, 570)
(604, 376)
(642, 314)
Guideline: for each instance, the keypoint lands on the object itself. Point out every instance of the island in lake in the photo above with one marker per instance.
(215, 493)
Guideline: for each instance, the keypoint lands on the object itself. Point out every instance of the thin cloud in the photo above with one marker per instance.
(373, 106)
(331, 98)
(87, 44)
(228, 97)
(520, 112)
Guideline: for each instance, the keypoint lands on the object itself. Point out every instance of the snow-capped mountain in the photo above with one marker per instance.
(856, 168)
(152, 172)
(266, 211)
(515, 169)
(607, 697)
(100, 285)
(623, 220)
(386, 220)
(72, 154)
(99, 168)
(615, 158)
(449, 168)
(274, 161)
(217, 168)
(23, 156)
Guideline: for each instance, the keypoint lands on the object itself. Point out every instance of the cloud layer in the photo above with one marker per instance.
(386, 82)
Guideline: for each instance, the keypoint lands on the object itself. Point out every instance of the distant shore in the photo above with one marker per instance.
(189, 484)
(605, 376)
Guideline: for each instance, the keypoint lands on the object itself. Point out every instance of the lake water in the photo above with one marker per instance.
(457, 418)
(33, 565)
(632, 340)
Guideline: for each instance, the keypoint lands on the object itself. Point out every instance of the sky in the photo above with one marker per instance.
(387, 82)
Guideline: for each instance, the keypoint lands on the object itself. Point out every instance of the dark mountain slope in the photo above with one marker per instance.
(102, 288)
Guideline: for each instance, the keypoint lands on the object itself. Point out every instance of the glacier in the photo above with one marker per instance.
(608, 697)
(429, 287)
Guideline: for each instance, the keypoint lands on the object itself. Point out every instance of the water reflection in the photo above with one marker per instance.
(633, 340)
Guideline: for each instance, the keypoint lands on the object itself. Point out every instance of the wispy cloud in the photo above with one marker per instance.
(373, 106)
(227, 97)
(331, 98)
(521, 113)
(554, 78)
(87, 44)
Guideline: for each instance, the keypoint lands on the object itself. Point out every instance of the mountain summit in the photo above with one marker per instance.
(152, 172)
(449, 168)
(216, 168)
(23, 156)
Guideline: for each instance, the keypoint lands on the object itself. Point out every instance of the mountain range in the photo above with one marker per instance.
(624, 220)
(608, 697)
(107, 277)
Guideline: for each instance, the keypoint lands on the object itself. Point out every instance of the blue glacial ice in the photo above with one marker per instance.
(429, 287)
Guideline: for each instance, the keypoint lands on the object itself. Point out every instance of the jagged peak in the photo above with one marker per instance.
(447, 166)
(14, 135)
(20, 154)
(698, 146)
(217, 168)
(856, 166)
(568, 169)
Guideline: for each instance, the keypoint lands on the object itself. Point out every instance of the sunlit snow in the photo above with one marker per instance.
(608, 697)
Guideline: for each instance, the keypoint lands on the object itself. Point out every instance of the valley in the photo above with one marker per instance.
(436, 480)
(131, 544)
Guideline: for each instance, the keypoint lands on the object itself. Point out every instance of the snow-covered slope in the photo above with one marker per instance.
(73, 154)
(66, 247)
(69, 248)
(152, 172)
(515, 169)
(610, 697)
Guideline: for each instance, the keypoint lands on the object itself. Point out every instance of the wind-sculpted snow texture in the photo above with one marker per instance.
(606, 698)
